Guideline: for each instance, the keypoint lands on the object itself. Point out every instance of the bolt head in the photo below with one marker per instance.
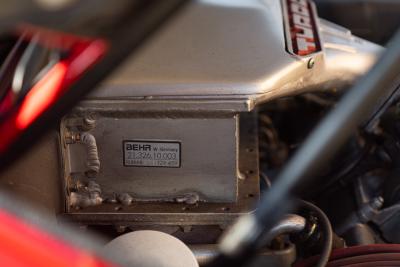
(310, 63)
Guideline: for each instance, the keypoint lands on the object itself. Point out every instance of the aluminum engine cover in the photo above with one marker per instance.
(187, 86)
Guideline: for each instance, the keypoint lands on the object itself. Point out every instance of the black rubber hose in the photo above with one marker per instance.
(326, 228)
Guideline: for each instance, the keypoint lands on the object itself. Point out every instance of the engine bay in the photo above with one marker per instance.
(189, 133)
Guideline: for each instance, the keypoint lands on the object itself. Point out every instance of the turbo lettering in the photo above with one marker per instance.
(299, 9)
(301, 20)
(303, 33)
(305, 47)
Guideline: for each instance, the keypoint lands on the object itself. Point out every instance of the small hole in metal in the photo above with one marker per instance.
(225, 208)
(250, 195)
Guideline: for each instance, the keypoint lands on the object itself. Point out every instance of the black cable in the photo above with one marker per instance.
(326, 228)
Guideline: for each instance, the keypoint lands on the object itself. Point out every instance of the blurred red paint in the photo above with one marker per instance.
(22, 244)
(41, 96)
(83, 54)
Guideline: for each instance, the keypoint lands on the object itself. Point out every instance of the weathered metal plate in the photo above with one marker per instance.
(201, 213)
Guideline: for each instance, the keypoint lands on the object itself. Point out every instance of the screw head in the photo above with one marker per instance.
(310, 63)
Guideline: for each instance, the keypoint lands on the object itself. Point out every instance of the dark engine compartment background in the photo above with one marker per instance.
(374, 20)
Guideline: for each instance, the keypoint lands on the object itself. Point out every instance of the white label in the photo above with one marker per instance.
(165, 154)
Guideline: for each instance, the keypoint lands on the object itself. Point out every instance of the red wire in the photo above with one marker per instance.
(353, 252)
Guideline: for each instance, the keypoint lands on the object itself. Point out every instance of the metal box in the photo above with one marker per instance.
(203, 153)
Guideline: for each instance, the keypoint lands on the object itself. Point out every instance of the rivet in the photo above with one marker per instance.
(311, 63)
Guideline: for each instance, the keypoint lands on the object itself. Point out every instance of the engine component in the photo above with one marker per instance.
(86, 196)
(162, 156)
(232, 55)
(289, 224)
(265, 257)
(359, 234)
(173, 133)
(370, 255)
(92, 155)
(388, 221)
(146, 195)
(171, 143)
(151, 248)
(366, 212)
(320, 233)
